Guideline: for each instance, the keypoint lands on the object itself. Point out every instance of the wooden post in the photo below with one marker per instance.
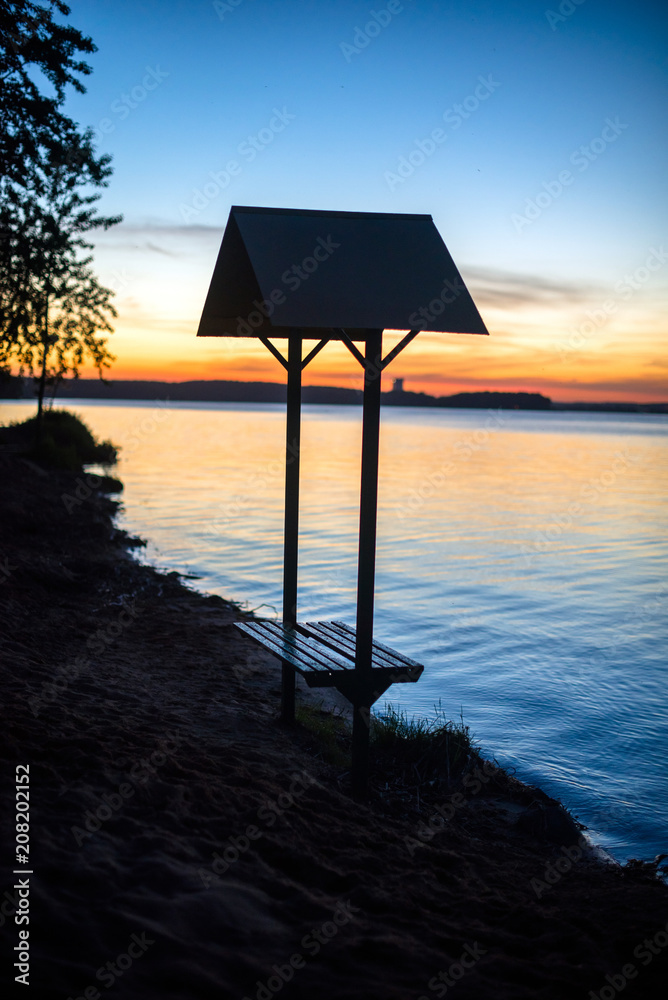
(366, 565)
(291, 524)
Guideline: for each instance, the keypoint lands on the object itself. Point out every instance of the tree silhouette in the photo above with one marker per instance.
(53, 311)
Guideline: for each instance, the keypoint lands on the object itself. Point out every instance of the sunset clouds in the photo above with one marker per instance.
(536, 146)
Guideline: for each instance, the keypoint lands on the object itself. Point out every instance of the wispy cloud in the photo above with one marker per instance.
(490, 287)
(156, 237)
(504, 289)
(156, 249)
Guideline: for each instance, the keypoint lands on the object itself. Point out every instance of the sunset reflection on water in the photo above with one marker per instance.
(521, 557)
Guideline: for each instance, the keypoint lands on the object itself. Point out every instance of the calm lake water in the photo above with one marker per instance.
(521, 557)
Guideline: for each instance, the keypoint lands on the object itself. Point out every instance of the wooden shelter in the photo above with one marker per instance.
(300, 276)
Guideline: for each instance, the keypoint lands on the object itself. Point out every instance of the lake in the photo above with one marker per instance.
(521, 557)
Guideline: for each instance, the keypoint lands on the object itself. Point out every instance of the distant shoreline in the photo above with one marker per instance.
(221, 391)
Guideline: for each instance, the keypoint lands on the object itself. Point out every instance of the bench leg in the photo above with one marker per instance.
(287, 694)
(360, 752)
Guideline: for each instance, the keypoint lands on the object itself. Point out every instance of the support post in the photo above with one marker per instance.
(291, 528)
(366, 566)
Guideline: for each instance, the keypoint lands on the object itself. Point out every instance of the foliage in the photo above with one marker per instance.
(62, 309)
(65, 442)
(33, 124)
(53, 311)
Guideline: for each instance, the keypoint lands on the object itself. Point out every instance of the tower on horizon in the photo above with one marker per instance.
(397, 385)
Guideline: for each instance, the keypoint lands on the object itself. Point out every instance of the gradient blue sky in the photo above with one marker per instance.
(220, 71)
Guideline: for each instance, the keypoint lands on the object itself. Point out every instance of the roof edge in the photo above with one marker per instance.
(331, 213)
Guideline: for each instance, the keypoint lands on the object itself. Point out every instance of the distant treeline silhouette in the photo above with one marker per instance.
(220, 391)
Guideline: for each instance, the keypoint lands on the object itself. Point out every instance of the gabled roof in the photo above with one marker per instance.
(315, 272)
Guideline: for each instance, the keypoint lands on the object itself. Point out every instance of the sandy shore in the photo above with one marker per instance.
(184, 845)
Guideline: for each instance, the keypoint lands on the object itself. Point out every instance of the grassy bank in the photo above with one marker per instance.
(59, 440)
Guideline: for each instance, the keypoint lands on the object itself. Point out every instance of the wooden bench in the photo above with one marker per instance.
(324, 654)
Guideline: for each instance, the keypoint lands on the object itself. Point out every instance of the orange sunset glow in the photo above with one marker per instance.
(570, 351)
(548, 191)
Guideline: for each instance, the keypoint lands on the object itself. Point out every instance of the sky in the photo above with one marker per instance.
(533, 133)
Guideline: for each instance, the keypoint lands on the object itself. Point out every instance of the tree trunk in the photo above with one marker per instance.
(41, 385)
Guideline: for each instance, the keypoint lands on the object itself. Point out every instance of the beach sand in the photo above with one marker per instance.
(184, 844)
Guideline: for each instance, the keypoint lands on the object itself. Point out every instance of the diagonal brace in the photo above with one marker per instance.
(379, 365)
(312, 354)
(274, 350)
(411, 335)
(356, 353)
(279, 357)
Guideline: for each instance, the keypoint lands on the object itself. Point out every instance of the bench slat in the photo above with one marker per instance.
(279, 648)
(315, 630)
(344, 642)
(405, 660)
(283, 645)
(341, 641)
(302, 652)
(322, 655)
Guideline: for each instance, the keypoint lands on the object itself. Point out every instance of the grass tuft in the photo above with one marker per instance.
(406, 752)
(433, 749)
